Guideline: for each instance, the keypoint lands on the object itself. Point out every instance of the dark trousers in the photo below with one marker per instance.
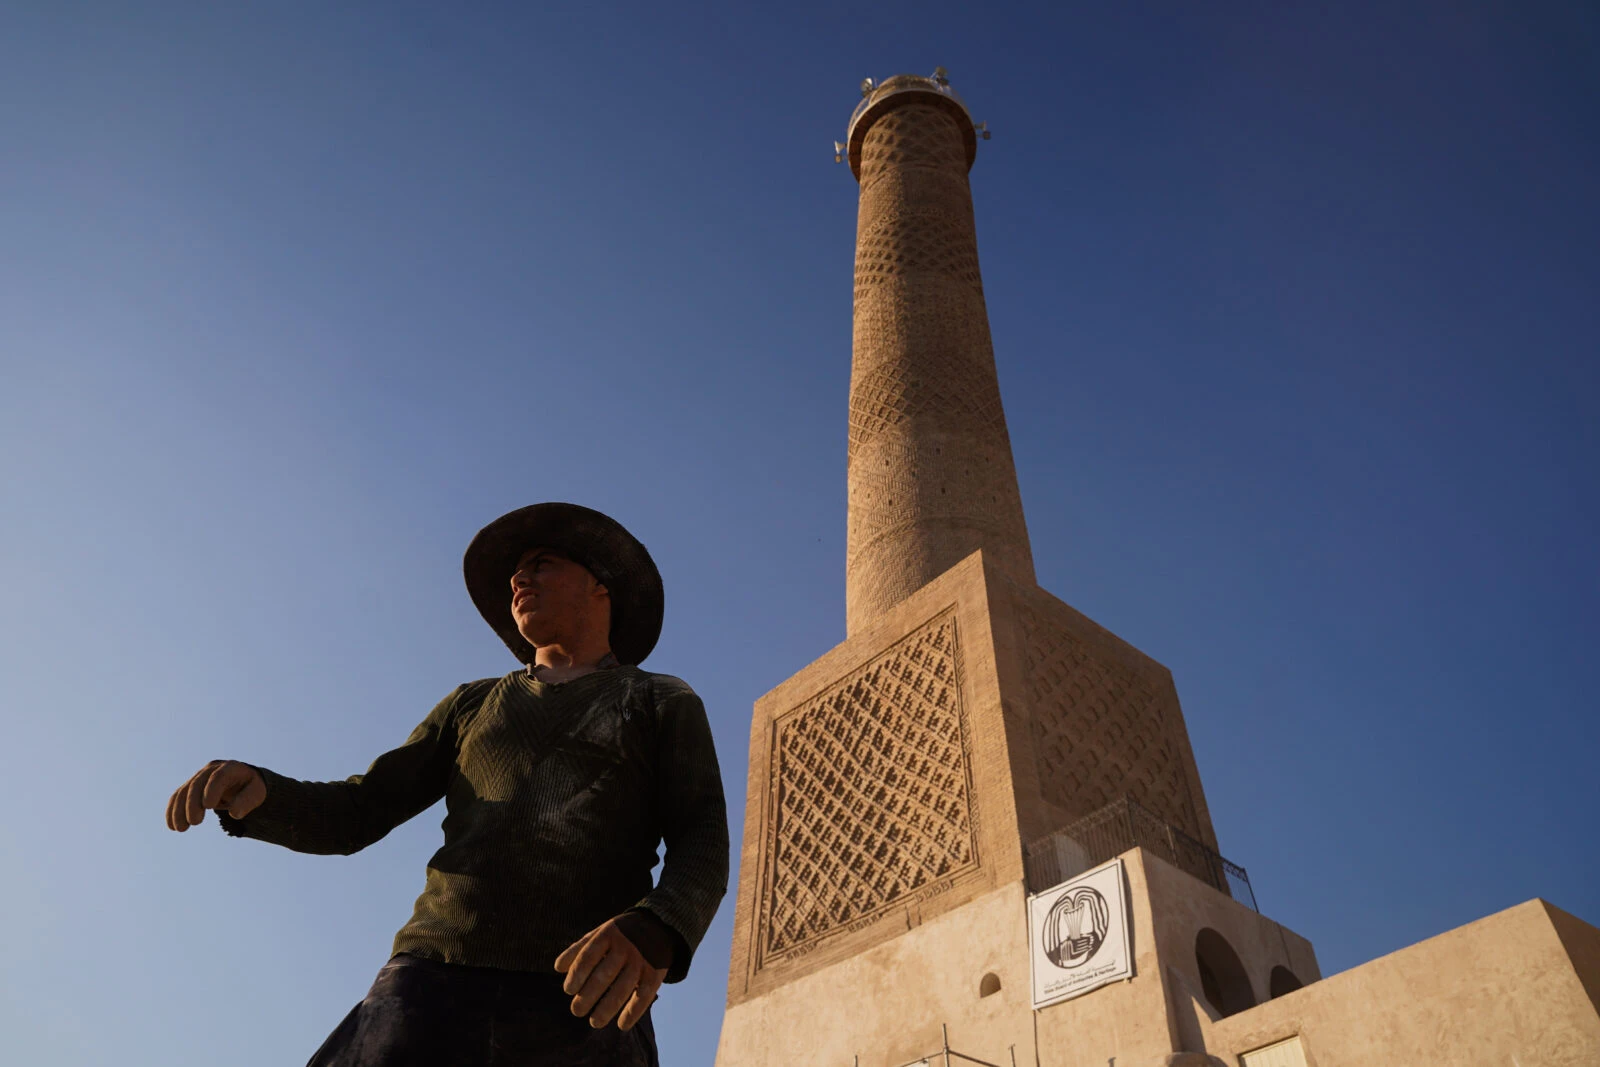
(420, 1013)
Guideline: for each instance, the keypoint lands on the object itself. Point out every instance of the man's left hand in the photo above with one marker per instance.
(606, 974)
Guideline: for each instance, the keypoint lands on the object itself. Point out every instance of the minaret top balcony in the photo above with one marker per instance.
(877, 98)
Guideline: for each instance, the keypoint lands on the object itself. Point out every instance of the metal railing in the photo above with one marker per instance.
(872, 92)
(1114, 829)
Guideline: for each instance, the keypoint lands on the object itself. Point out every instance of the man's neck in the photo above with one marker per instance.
(554, 664)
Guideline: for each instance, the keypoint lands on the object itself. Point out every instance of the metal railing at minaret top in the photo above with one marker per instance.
(872, 92)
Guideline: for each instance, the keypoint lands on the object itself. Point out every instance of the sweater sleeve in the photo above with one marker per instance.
(327, 818)
(694, 822)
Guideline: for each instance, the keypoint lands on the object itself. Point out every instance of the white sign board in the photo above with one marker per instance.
(1078, 935)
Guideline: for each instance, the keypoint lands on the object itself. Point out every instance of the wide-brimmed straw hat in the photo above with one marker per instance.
(585, 536)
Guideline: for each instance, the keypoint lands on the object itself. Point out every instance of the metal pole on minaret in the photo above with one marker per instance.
(931, 477)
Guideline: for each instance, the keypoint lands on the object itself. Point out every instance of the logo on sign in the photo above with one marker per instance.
(1076, 927)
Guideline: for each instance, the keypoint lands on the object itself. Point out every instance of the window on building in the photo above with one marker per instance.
(1288, 1053)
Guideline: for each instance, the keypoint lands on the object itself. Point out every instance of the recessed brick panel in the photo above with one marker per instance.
(1101, 728)
(871, 793)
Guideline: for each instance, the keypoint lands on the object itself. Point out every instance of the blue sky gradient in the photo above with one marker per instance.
(1295, 315)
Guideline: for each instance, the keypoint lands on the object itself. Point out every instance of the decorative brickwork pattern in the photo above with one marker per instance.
(1101, 731)
(870, 798)
(931, 478)
(906, 137)
(928, 242)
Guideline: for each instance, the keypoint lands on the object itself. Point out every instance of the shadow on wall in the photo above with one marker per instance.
(1222, 977)
(1225, 990)
(1283, 981)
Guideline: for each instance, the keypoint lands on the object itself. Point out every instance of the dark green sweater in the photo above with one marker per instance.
(556, 797)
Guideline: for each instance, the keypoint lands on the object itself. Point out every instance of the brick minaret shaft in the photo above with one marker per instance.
(903, 785)
(931, 478)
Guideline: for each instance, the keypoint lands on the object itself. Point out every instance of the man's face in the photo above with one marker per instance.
(554, 600)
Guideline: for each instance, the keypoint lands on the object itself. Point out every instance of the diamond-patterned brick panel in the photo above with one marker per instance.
(893, 393)
(1100, 730)
(871, 798)
(913, 135)
(910, 242)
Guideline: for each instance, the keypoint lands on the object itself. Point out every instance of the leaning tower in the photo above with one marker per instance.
(974, 830)
(903, 787)
(930, 473)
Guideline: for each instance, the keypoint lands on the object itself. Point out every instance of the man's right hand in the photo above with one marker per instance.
(222, 783)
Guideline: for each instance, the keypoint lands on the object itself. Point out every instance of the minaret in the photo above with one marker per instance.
(909, 788)
(930, 470)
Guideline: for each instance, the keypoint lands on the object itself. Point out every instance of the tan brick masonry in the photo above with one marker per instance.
(931, 478)
(894, 782)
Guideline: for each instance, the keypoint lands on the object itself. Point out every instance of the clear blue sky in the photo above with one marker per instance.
(1296, 318)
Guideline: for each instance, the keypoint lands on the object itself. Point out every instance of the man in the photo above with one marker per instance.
(538, 926)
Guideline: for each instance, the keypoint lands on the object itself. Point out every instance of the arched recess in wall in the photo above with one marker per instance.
(1222, 977)
(1283, 981)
